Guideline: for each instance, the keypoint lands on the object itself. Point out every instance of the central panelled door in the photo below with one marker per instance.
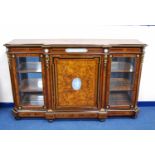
(77, 82)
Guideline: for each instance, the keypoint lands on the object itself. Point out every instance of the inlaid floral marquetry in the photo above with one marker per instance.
(76, 82)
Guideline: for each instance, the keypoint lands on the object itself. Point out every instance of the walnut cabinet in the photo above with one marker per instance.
(75, 78)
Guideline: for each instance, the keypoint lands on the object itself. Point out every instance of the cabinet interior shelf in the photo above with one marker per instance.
(119, 98)
(119, 84)
(33, 99)
(31, 85)
(121, 67)
(29, 67)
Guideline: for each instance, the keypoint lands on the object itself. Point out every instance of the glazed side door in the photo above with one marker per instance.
(28, 80)
(122, 80)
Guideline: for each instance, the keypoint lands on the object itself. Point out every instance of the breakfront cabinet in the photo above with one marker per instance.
(75, 78)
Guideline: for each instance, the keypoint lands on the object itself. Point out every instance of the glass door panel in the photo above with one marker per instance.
(120, 98)
(121, 81)
(34, 99)
(29, 74)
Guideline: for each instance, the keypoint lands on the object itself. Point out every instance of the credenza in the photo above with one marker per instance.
(75, 78)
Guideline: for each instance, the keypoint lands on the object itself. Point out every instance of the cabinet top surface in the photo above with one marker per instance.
(75, 42)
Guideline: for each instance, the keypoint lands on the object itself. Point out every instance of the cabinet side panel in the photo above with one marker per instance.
(139, 70)
(14, 82)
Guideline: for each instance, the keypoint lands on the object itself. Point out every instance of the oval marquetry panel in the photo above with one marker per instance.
(76, 83)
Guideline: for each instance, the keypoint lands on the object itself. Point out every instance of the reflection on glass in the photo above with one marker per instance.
(32, 99)
(120, 98)
(29, 67)
(121, 64)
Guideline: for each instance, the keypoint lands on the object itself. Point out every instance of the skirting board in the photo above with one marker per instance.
(140, 104)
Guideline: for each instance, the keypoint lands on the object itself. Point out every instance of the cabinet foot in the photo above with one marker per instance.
(17, 118)
(101, 119)
(134, 116)
(50, 120)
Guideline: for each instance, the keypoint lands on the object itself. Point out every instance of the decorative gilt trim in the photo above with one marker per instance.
(41, 57)
(13, 55)
(46, 50)
(102, 110)
(110, 57)
(131, 106)
(19, 107)
(105, 57)
(108, 106)
(49, 110)
(142, 58)
(9, 59)
(47, 60)
(136, 109)
(105, 69)
(105, 61)
(106, 50)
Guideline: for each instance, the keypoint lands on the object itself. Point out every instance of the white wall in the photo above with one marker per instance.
(77, 19)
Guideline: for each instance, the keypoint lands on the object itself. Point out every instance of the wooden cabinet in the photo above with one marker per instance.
(75, 78)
